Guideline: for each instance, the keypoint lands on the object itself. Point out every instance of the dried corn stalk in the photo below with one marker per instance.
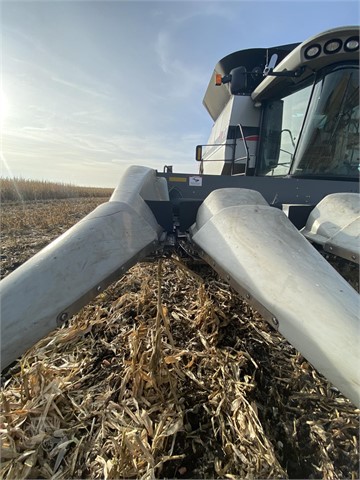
(169, 374)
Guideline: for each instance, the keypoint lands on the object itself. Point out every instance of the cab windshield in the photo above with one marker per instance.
(281, 127)
(329, 144)
(314, 131)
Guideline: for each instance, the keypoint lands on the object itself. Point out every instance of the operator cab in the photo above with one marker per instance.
(303, 116)
(315, 130)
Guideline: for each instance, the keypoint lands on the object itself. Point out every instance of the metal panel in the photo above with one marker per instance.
(273, 86)
(227, 197)
(297, 214)
(276, 191)
(273, 266)
(65, 275)
(335, 224)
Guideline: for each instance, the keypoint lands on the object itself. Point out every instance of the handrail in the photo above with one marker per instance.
(233, 145)
(203, 160)
(247, 157)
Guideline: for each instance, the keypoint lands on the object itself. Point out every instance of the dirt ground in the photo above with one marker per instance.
(167, 374)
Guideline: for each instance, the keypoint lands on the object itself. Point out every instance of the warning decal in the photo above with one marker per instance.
(195, 181)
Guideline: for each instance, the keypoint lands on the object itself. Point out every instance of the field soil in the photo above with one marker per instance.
(166, 374)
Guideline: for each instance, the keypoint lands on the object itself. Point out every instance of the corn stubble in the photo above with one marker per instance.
(168, 374)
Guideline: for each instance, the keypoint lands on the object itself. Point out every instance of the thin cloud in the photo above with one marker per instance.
(185, 78)
(80, 87)
(162, 50)
(80, 151)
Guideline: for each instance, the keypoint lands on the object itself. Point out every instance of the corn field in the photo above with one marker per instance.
(17, 189)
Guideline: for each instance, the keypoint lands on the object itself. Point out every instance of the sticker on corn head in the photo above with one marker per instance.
(195, 181)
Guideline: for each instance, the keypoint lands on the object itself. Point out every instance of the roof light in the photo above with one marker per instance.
(332, 46)
(312, 51)
(351, 44)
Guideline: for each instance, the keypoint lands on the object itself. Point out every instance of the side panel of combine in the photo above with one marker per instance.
(259, 251)
(77, 266)
(226, 152)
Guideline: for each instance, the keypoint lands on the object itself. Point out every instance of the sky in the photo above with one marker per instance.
(91, 87)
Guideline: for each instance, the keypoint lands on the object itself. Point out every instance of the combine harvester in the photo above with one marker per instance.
(278, 178)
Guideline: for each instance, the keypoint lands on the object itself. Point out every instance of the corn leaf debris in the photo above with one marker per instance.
(169, 374)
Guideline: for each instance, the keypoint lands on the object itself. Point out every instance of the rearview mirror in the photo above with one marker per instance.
(198, 153)
(238, 83)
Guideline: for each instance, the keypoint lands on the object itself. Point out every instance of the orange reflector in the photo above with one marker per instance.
(178, 179)
(218, 79)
